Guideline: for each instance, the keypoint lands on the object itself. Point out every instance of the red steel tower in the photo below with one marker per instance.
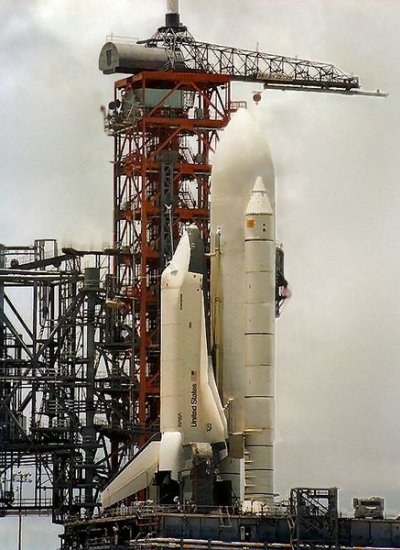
(165, 125)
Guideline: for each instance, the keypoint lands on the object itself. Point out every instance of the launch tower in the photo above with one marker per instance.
(165, 127)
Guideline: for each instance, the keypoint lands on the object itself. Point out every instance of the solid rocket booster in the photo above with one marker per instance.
(259, 265)
(190, 404)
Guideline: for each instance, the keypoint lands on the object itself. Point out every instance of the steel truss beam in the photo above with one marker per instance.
(247, 65)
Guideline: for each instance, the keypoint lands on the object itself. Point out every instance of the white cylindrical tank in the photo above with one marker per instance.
(131, 58)
(259, 251)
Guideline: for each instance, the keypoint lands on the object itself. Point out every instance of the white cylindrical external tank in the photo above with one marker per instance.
(259, 252)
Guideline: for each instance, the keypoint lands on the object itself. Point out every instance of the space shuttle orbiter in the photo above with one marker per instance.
(192, 421)
(190, 403)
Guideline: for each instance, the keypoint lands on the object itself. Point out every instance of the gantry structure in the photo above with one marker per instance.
(65, 378)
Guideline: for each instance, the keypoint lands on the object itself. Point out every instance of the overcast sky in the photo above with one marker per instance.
(338, 196)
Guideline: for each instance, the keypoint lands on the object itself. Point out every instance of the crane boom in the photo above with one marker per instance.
(173, 48)
(247, 65)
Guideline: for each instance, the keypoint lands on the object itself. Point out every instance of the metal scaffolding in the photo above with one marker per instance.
(165, 125)
(313, 518)
(184, 52)
(65, 381)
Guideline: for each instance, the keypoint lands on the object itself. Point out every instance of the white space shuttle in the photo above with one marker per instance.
(217, 416)
(192, 421)
(190, 403)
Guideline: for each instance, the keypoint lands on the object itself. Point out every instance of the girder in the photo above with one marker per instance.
(187, 54)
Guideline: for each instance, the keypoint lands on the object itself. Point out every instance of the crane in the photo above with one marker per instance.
(175, 49)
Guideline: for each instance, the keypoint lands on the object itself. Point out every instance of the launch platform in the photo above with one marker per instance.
(309, 519)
